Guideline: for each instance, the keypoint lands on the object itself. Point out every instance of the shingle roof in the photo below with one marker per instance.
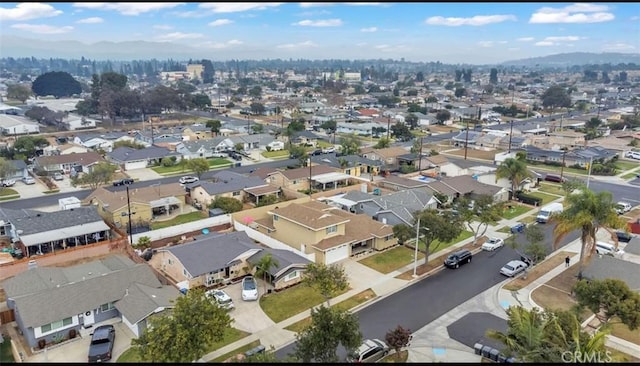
(140, 300)
(31, 222)
(226, 181)
(307, 216)
(142, 195)
(602, 267)
(85, 158)
(125, 153)
(285, 259)
(303, 172)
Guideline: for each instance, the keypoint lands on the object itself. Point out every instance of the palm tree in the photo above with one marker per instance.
(263, 267)
(588, 212)
(525, 334)
(515, 170)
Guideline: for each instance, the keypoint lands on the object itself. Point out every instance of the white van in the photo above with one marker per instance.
(608, 249)
(547, 211)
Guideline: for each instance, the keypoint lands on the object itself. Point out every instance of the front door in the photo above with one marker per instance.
(88, 318)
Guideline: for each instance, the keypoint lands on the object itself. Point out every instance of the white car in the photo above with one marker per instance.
(633, 155)
(221, 298)
(249, 289)
(8, 182)
(328, 150)
(622, 207)
(28, 180)
(513, 268)
(188, 179)
(492, 244)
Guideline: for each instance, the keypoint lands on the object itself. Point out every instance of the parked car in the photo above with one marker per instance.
(328, 150)
(371, 350)
(455, 259)
(492, 244)
(122, 182)
(188, 179)
(101, 345)
(608, 249)
(219, 155)
(513, 268)
(58, 176)
(28, 180)
(554, 178)
(633, 155)
(8, 182)
(221, 298)
(518, 228)
(249, 289)
(315, 152)
(622, 207)
(624, 236)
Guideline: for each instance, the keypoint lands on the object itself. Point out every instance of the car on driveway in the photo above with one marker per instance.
(187, 179)
(101, 345)
(513, 268)
(28, 180)
(328, 150)
(8, 182)
(221, 298)
(371, 350)
(249, 289)
(122, 182)
(58, 176)
(623, 207)
(492, 244)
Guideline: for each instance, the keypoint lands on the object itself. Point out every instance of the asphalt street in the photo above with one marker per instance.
(426, 300)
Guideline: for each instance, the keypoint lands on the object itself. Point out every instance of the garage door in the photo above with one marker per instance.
(135, 165)
(336, 254)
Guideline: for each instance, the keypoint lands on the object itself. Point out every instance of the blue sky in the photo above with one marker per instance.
(448, 32)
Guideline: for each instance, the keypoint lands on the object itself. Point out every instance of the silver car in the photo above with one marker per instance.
(371, 350)
(221, 298)
(513, 268)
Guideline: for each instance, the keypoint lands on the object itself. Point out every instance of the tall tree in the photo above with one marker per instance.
(556, 96)
(493, 76)
(214, 125)
(442, 116)
(515, 170)
(328, 279)
(350, 145)
(330, 327)
(194, 324)
(100, 174)
(613, 297)
(436, 227)
(198, 166)
(588, 212)
(478, 216)
(263, 267)
(19, 92)
(57, 83)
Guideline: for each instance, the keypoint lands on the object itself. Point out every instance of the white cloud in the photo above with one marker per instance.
(544, 43)
(42, 28)
(28, 11)
(176, 36)
(619, 46)
(305, 44)
(391, 48)
(634, 18)
(475, 20)
(91, 20)
(220, 45)
(576, 13)
(564, 39)
(128, 8)
(237, 7)
(513, 49)
(369, 30)
(314, 5)
(485, 44)
(162, 27)
(219, 22)
(235, 42)
(319, 23)
(525, 39)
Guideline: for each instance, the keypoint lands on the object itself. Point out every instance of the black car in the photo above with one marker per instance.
(455, 259)
(624, 236)
(122, 182)
(101, 345)
(315, 152)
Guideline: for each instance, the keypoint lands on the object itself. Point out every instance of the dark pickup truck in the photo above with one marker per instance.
(102, 341)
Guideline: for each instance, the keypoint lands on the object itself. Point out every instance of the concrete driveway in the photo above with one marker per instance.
(360, 276)
(77, 349)
(247, 315)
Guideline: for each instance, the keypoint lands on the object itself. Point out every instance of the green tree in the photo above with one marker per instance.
(330, 126)
(460, 92)
(128, 143)
(214, 125)
(436, 227)
(143, 242)
(443, 116)
(27, 145)
(556, 96)
(412, 121)
(482, 213)
(493, 76)
(257, 128)
(382, 143)
(57, 83)
(198, 166)
(267, 200)
(227, 204)
(350, 145)
(19, 92)
(327, 279)
(6, 169)
(516, 171)
(398, 338)
(100, 174)
(297, 152)
(330, 327)
(588, 212)
(403, 233)
(263, 267)
(170, 338)
(201, 101)
(613, 297)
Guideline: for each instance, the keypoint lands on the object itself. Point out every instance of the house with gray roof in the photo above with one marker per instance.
(230, 184)
(48, 302)
(471, 138)
(212, 260)
(104, 141)
(353, 165)
(466, 185)
(37, 233)
(130, 159)
(18, 169)
(604, 266)
(250, 142)
(202, 148)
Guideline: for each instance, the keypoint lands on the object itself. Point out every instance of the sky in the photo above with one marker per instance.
(472, 33)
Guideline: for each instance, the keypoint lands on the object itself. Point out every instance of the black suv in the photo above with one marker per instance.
(122, 182)
(624, 236)
(454, 260)
(101, 345)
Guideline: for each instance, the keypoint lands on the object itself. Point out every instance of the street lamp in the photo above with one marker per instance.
(415, 254)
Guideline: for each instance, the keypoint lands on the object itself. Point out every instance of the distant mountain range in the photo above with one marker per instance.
(577, 58)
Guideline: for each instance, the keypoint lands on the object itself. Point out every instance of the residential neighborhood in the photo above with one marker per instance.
(115, 220)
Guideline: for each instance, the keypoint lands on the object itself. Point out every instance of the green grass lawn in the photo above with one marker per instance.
(557, 169)
(551, 188)
(546, 198)
(181, 167)
(631, 175)
(391, 259)
(517, 210)
(528, 219)
(8, 192)
(239, 350)
(5, 351)
(181, 219)
(322, 143)
(289, 302)
(626, 165)
(436, 246)
(231, 335)
(276, 154)
(504, 229)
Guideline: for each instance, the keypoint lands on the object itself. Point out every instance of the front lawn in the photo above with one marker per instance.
(276, 154)
(546, 198)
(626, 165)
(182, 168)
(631, 175)
(391, 259)
(240, 350)
(436, 246)
(8, 192)
(181, 219)
(551, 188)
(515, 211)
(284, 304)
(5, 351)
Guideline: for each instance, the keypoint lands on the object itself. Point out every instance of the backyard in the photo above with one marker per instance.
(180, 219)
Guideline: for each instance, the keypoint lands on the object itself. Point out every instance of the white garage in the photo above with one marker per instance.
(336, 254)
(138, 164)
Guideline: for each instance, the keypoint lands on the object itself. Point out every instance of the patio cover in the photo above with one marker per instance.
(165, 201)
(330, 177)
(62, 233)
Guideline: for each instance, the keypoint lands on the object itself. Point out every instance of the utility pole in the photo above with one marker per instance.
(420, 156)
(564, 153)
(129, 214)
(415, 254)
(466, 141)
(388, 126)
(248, 125)
(510, 135)
(310, 184)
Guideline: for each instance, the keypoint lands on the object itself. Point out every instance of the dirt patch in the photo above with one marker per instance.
(566, 279)
(476, 154)
(622, 331)
(537, 271)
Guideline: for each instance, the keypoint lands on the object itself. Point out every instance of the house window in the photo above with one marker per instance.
(236, 193)
(184, 271)
(291, 276)
(170, 262)
(295, 182)
(56, 325)
(332, 229)
(106, 307)
(275, 217)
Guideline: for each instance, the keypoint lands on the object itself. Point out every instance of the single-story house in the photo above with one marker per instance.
(50, 302)
(130, 159)
(201, 148)
(388, 156)
(217, 259)
(11, 125)
(605, 266)
(80, 162)
(18, 169)
(229, 184)
(352, 165)
(295, 179)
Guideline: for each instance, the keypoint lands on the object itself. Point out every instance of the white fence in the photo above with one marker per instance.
(175, 230)
(269, 241)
